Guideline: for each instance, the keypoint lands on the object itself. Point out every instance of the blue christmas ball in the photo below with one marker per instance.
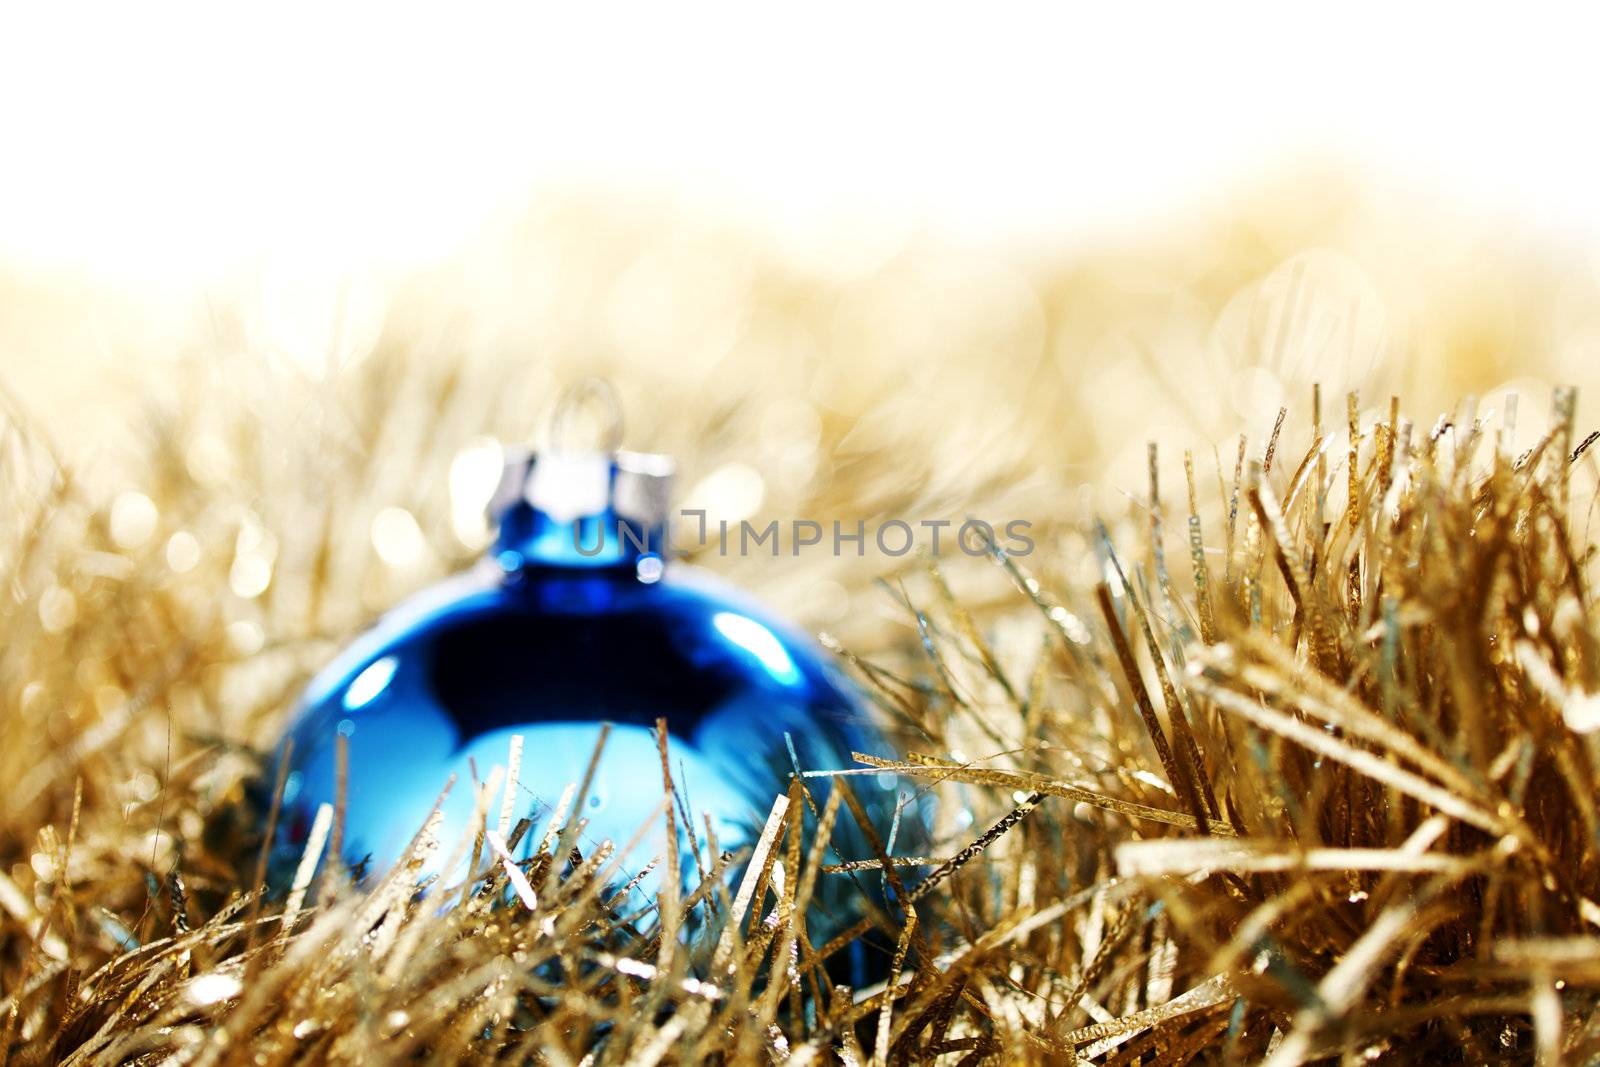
(576, 618)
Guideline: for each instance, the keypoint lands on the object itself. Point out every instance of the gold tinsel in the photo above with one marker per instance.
(1288, 760)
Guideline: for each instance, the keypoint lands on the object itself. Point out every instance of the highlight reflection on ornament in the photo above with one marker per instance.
(565, 625)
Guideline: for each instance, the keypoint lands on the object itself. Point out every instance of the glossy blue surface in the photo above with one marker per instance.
(551, 651)
(575, 619)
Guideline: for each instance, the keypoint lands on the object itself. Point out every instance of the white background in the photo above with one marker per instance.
(159, 145)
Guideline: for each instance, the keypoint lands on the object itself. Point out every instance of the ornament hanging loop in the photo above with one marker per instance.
(587, 418)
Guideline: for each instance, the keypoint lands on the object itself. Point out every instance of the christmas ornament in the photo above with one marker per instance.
(576, 617)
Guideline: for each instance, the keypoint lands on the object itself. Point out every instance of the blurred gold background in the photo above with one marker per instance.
(853, 373)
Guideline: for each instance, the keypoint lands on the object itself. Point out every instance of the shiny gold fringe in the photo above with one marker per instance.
(1326, 791)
